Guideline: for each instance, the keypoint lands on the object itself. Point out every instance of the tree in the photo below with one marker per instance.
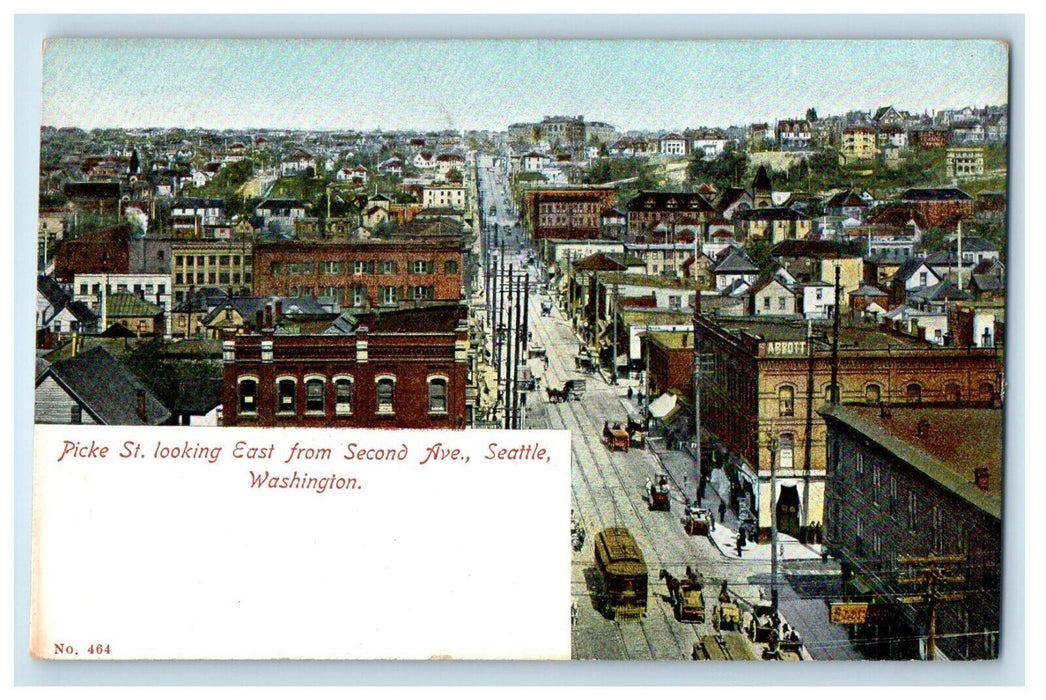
(811, 115)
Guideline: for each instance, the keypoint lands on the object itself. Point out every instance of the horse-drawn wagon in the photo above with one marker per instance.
(574, 389)
(697, 520)
(657, 493)
(584, 361)
(727, 615)
(686, 596)
(615, 436)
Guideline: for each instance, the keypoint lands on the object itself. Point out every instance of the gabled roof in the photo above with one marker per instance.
(105, 388)
(126, 304)
(935, 194)
(944, 290)
(198, 396)
(868, 291)
(899, 215)
(770, 214)
(736, 263)
(761, 181)
(798, 248)
(846, 198)
(669, 201)
(909, 267)
(599, 262)
(988, 283)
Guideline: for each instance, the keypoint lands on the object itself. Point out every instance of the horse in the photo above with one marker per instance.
(555, 395)
(672, 583)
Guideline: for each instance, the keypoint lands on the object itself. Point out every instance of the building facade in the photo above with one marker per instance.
(399, 369)
(918, 482)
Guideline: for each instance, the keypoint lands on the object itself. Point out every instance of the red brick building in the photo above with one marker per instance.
(940, 205)
(363, 273)
(103, 251)
(403, 368)
(670, 362)
(928, 138)
(763, 386)
(567, 214)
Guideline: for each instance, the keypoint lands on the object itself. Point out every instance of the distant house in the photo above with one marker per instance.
(794, 134)
(141, 317)
(672, 145)
(95, 387)
(199, 402)
(392, 166)
(736, 266)
(770, 296)
(297, 163)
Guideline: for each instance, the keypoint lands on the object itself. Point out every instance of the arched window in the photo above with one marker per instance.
(872, 393)
(786, 401)
(914, 393)
(987, 392)
(386, 394)
(437, 395)
(952, 392)
(343, 396)
(285, 395)
(248, 395)
(314, 395)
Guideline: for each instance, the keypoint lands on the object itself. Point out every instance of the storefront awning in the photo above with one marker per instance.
(662, 405)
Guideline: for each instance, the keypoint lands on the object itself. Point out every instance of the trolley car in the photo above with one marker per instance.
(624, 574)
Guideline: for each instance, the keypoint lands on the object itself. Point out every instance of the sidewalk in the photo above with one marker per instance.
(678, 464)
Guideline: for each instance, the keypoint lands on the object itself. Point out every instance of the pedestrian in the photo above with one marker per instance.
(629, 393)
(740, 542)
(722, 511)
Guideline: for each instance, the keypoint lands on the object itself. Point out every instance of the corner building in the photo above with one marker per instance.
(404, 368)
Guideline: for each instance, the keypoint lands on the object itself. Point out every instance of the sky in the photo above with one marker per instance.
(410, 84)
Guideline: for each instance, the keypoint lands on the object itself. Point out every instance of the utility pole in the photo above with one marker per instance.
(834, 387)
(509, 389)
(697, 375)
(932, 575)
(613, 339)
(772, 444)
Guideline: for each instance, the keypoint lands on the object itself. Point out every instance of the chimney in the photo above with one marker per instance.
(268, 316)
(279, 310)
(259, 319)
(686, 339)
(982, 478)
(140, 396)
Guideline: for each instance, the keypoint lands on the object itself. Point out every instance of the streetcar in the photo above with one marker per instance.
(623, 571)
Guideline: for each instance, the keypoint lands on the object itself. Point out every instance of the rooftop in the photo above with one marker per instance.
(957, 441)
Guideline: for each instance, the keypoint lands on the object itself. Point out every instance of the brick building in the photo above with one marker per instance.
(404, 368)
(103, 251)
(648, 210)
(203, 262)
(766, 378)
(917, 482)
(940, 205)
(566, 213)
(362, 273)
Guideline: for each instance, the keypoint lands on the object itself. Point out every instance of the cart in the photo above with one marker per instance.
(697, 520)
(574, 389)
(658, 492)
(615, 436)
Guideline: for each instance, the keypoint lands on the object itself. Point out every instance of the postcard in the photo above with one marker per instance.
(338, 341)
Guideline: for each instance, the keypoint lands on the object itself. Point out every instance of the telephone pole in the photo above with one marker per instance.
(931, 576)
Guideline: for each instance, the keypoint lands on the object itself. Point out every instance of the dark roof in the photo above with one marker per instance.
(799, 248)
(198, 203)
(899, 215)
(198, 396)
(599, 262)
(935, 194)
(761, 181)
(846, 198)
(247, 307)
(92, 190)
(958, 441)
(283, 202)
(737, 262)
(989, 283)
(106, 389)
(435, 318)
(867, 290)
(908, 268)
(770, 214)
(943, 290)
(669, 201)
(52, 291)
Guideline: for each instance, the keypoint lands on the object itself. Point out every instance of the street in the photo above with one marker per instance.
(609, 490)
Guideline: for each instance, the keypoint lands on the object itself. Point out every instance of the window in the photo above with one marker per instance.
(388, 295)
(786, 451)
(437, 395)
(766, 303)
(343, 396)
(386, 394)
(83, 289)
(421, 267)
(819, 293)
(423, 292)
(285, 396)
(314, 395)
(275, 268)
(307, 268)
(872, 393)
(359, 296)
(388, 267)
(951, 393)
(786, 401)
(914, 393)
(922, 279)
(199, 260)
(211, 277)
(248, 399)
(292, 268)
(178, 279)
(450, 267)
(76, 414)
(987, 392)
(223, 260)
(782, 303)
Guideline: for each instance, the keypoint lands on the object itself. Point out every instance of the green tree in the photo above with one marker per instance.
(811, 115)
